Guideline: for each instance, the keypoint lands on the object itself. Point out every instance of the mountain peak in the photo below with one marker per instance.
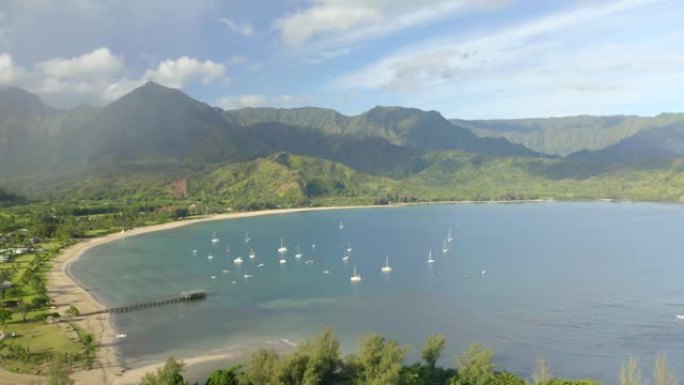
(154, 87)
(18, 101)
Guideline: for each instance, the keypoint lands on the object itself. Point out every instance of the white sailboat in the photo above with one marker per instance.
(247, 237)
(299, 253)
(210, 257)
(356, 277)
(386, 268)
(282, 261)
(430, 260)
(247, 275)
(214, 238)
(252, 254)
(449, 237)
(346, 257)
(341, 226)
(349, 248)
(238, 260)
(445, 247)
(282, 248)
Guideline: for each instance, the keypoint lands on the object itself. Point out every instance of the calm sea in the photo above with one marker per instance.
(584, 285)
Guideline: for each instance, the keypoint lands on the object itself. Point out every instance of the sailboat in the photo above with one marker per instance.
(227, 249)
(341, 225)
(246, 275)
(349, 248)
(214, 238)
(430, 260)
(210, 257)
(299, 253)
(252, 254)
(238, 260)
(247, 238)
(282, 260)
(346, 257)
(449, 237)
(282, 248)
(355, 277)
(386, 268)
(445, 247)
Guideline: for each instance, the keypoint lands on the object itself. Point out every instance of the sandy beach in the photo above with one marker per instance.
(65, 291)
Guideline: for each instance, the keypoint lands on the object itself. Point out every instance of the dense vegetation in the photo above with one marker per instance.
(158, 146)
(563, 136)
(380, 361)
(31, 234)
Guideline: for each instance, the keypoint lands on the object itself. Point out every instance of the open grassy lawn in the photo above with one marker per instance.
(41, 340)
(29, 351)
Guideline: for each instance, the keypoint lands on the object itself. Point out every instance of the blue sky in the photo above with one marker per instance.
(464, 58)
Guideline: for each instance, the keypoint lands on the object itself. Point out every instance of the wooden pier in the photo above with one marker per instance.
(186, 296)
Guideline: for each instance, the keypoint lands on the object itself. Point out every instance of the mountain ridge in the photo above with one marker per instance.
(154, 136)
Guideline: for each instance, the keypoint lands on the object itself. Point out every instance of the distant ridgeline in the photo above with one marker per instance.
(157, 143)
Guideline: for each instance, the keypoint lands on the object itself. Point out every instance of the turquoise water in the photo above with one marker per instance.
(582, 284)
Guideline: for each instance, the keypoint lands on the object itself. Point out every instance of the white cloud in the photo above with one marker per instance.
(437, 61)
(340, 22)
(99, 76)
(244, 28)
(9, 73)
(258, 100)
(177, 73)
(97, 63)
(579, 58)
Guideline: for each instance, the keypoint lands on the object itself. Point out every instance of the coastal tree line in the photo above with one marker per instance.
(381, 361)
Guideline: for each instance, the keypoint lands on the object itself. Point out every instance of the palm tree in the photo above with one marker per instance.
(89, 352)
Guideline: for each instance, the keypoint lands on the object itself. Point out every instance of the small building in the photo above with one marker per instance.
(193, 294)
(22, 250)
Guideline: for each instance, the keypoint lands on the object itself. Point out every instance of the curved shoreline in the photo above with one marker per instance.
(65, 290)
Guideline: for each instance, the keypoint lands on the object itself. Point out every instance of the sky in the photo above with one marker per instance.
(470, 59)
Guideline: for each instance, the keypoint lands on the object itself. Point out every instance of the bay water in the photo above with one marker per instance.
(584, 285)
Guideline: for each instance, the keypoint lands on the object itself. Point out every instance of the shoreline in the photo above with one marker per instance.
(65, 290)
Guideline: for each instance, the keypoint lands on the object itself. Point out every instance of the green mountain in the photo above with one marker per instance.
(155, 123)
(426, 130)
(30, 131)
(323, 119)
(158, 144)
(566, 135)
(285, 179)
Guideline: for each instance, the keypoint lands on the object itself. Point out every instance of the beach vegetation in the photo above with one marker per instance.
(541, 375)
(380, 361)
(61, 367)
(169, 374)
(433, 349)
(230, 376)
